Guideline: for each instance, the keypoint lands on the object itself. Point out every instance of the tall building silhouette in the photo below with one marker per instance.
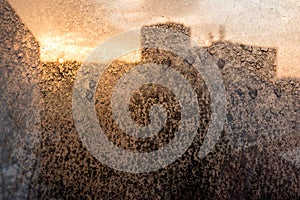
(19, 105)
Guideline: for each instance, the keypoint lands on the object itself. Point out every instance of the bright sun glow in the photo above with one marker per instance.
(132, 57)
(60, 60)
(54, 48)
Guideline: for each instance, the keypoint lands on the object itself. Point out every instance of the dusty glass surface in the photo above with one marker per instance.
(134, 99)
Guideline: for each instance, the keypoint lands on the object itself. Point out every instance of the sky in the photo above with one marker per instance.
(72, 29)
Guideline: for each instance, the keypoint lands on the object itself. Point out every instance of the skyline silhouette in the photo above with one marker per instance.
(44, 158)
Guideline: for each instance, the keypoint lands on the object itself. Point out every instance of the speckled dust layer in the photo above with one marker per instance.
(262, 123)
(20, 104)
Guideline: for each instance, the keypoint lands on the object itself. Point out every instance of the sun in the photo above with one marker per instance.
(60, 60)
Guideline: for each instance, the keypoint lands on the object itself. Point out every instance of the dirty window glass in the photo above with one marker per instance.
(149, 99)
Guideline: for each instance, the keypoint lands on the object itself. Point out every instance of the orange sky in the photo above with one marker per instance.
(71, 29)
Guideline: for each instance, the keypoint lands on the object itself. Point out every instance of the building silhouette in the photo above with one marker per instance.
(20, 105)
(257, 110)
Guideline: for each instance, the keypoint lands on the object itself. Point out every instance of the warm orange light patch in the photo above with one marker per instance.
(132, 57)
(61, 60)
